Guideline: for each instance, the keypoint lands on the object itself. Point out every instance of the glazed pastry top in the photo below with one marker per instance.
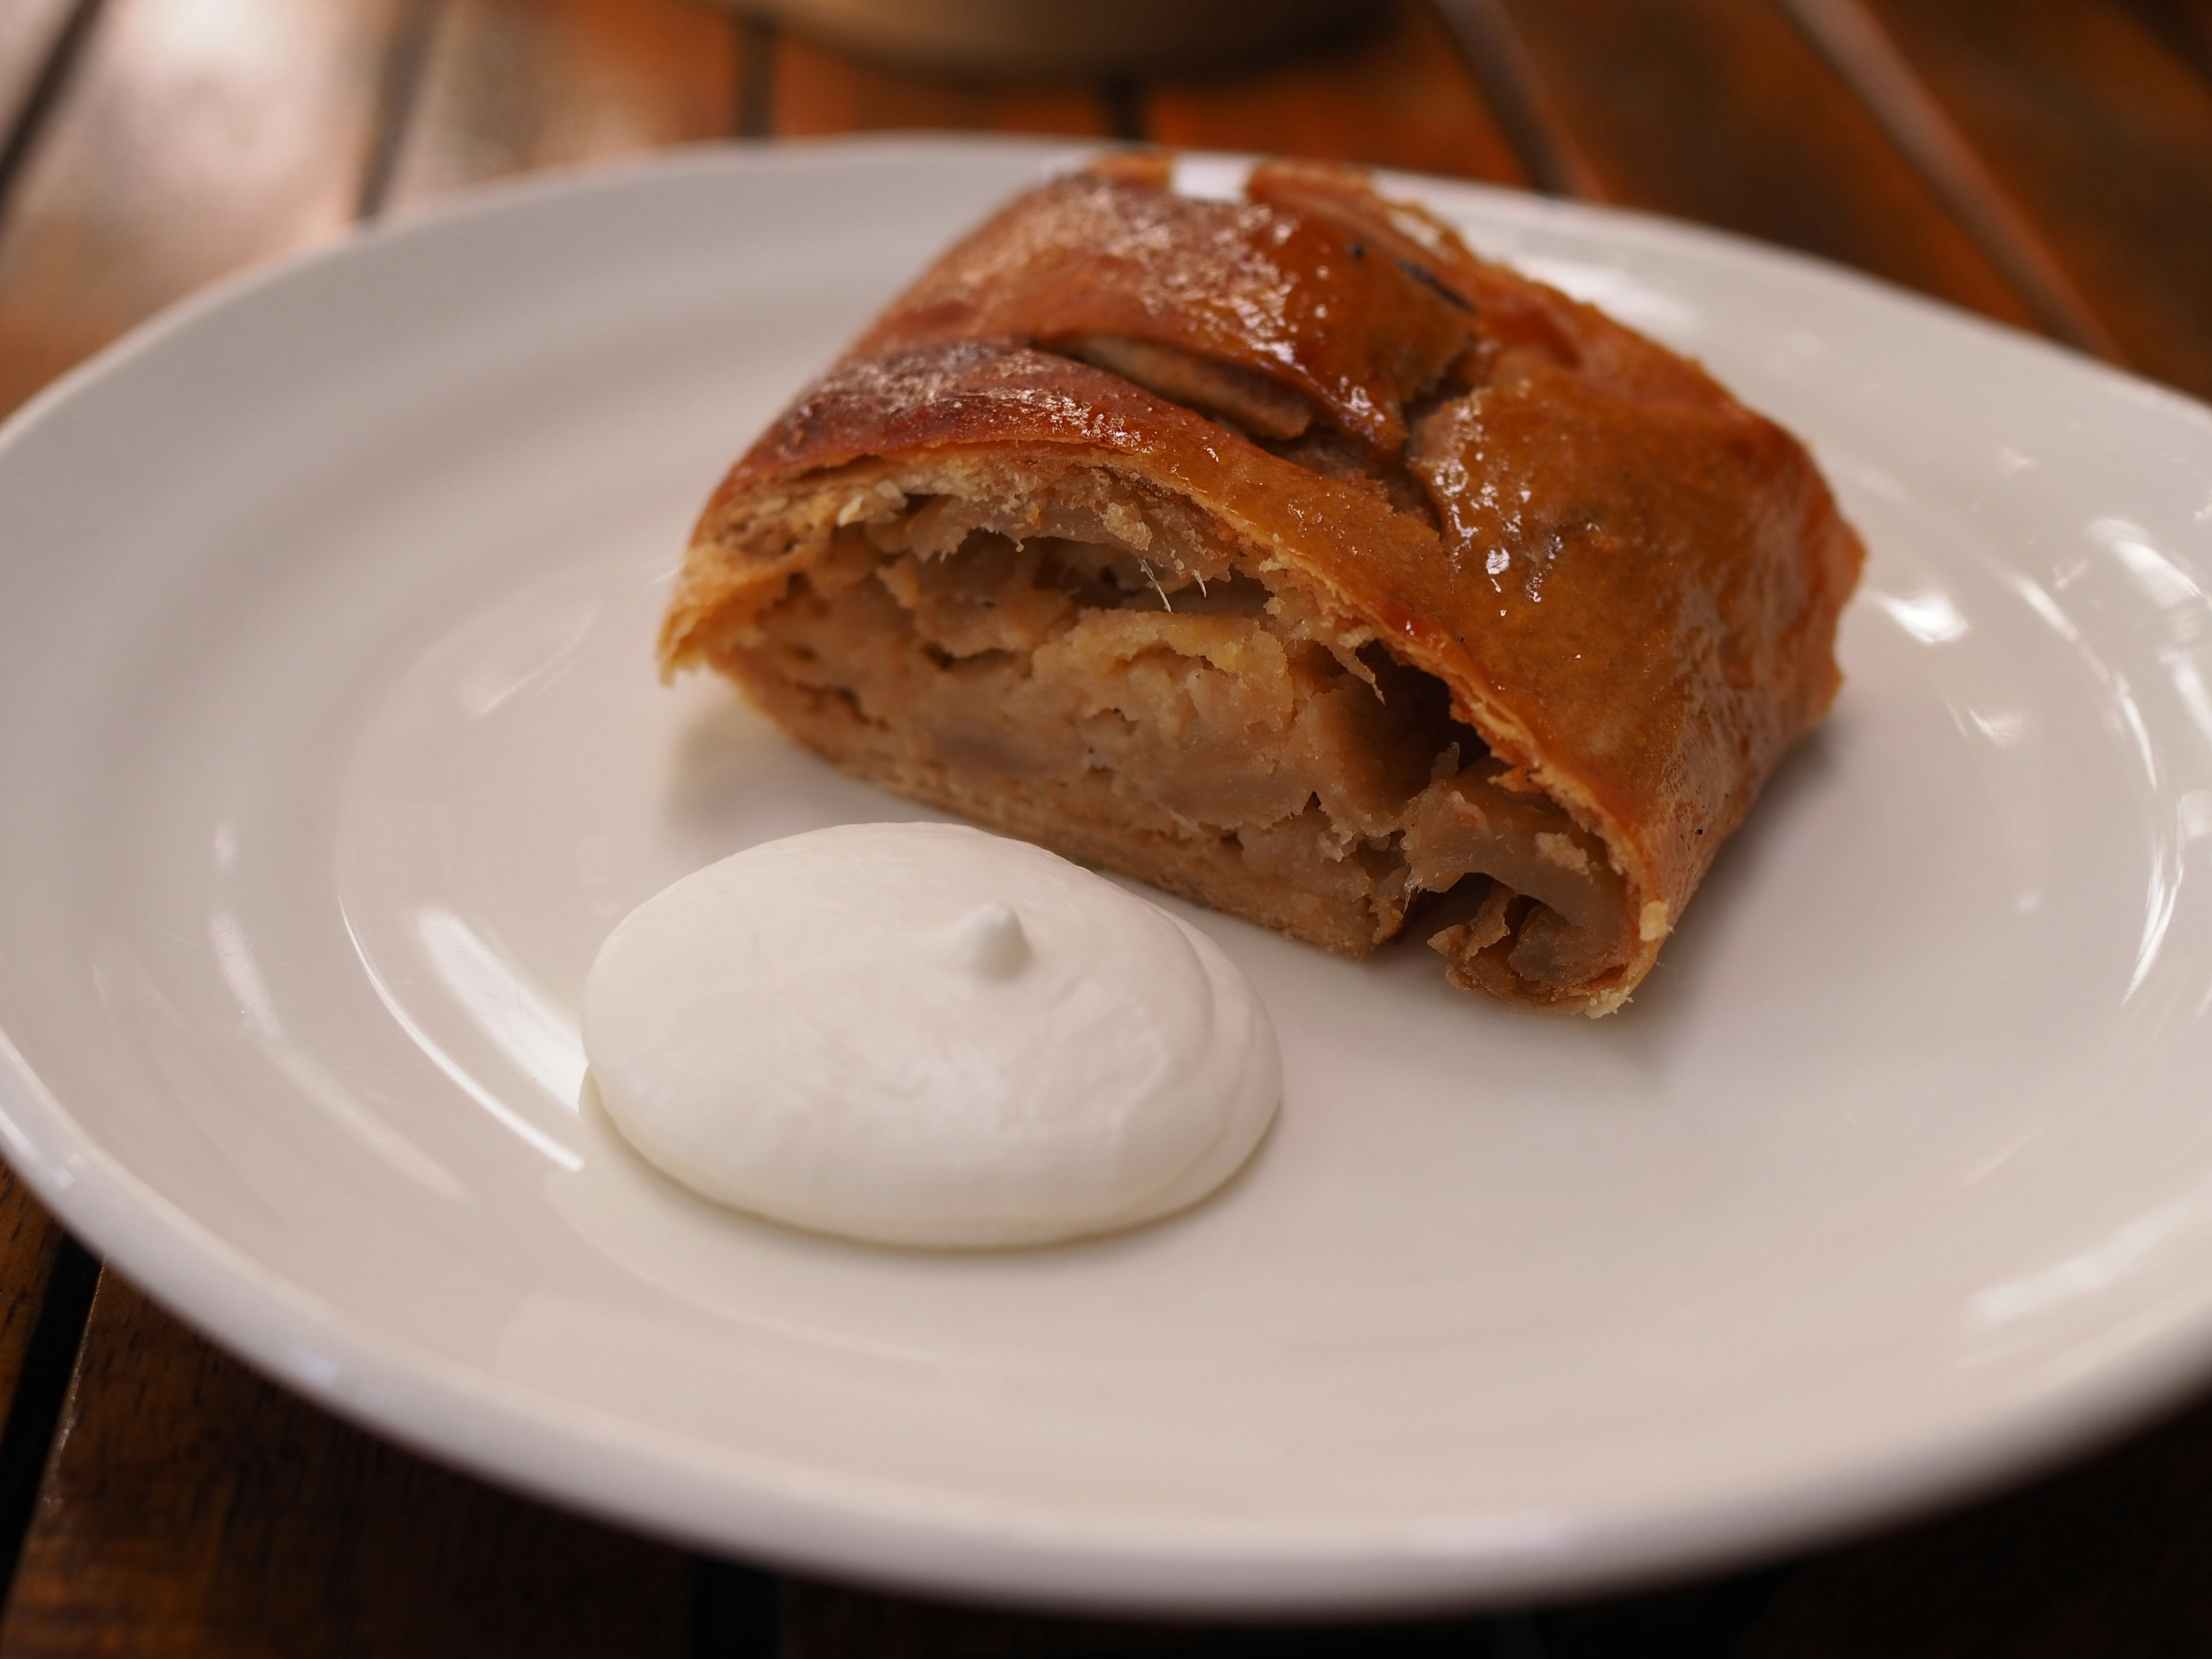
(1282, 295)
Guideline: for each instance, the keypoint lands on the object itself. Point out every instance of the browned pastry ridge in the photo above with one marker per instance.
(1284, 554)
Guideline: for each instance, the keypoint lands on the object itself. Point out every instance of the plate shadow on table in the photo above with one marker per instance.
(2110, 1558)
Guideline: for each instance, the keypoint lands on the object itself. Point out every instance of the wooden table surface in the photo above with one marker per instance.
(2045, 163)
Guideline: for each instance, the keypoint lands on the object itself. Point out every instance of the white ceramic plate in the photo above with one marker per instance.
(330, 748)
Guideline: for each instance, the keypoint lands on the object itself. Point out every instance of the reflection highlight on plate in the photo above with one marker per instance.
(2128, 1251)
(1929, 616)
(235, 961)
(2181, 602)
(2163, 581)
(536, 1035)
(485, 1097)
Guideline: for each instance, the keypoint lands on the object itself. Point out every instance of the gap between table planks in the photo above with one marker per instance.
(2100, 132)
(157, 162)
(1781, 149)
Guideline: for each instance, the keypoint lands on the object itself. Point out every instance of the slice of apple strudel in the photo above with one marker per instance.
(1281, 552)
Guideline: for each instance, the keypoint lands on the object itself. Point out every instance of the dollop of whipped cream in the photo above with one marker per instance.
(920, 1034)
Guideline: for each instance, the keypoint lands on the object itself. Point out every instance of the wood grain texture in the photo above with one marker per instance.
(2102, 134)
(824, 1621)
(513, 85)
(2186, 27)
(191, 1508)
(1720, 110)
(29, 30)
(2110, 1560)
(1856, 46)
(1705, 1618)
(1517, 97)
(818, 1620)
(1401, 95)
(29, 1238)
(816, 90)
(193, 139)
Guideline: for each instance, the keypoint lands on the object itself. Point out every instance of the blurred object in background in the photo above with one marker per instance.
(1062, 37)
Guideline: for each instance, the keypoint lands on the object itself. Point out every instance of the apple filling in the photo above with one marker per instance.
(1120, 685)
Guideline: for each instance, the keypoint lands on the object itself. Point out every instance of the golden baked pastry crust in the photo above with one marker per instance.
(1626, 584)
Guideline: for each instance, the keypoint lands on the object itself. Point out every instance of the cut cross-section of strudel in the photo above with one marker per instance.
(1283, 553)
